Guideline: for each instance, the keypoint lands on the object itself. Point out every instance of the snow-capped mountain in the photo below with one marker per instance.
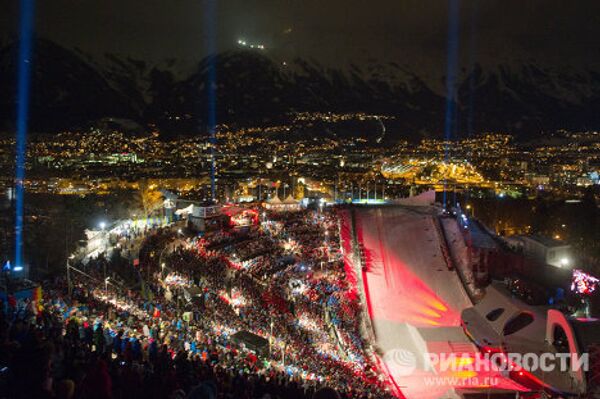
(71, 89)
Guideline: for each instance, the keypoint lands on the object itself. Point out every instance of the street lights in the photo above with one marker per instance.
(69, 282)
(271, 337)
(106, 287)
(470, 208)
(102, 225)
(160, 257)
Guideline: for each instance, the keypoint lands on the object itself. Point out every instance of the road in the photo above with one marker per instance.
(414, 302)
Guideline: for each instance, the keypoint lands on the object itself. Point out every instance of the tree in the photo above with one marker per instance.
(586, 221)
(150, 197)
(299, 190)
(541, 216)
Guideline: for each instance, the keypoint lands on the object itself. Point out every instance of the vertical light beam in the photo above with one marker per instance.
(472, 76)
(472, 61)
(451, 77)
(210, 39)
(24, 73)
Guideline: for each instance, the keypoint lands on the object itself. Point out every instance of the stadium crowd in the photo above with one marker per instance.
(172, 337)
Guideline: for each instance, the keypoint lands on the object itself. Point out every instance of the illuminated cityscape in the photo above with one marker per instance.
(257, 200)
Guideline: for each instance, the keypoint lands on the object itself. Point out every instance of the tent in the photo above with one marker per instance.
(289, 204)
(290, 201)
(272, 203)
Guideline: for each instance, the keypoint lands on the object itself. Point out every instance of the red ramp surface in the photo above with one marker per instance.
(413, 299)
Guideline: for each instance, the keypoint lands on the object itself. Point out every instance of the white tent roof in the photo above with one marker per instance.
(274, 200)
(290, 200)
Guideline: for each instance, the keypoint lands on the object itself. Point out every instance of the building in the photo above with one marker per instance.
(502, 324)
(543, 249)
(201, 216)
(537, 180)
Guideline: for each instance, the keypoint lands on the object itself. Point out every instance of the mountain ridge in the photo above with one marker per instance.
(72, 90)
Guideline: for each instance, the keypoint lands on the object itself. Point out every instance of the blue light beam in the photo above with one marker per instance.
(24, 78)
(472, 62)
(451, 77)
(210, 38)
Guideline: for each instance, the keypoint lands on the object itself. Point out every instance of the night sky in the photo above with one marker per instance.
(411, 32)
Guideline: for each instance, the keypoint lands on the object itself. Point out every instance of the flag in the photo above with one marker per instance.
(37, 297)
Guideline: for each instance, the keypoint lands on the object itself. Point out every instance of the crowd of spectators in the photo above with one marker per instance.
(175, 340)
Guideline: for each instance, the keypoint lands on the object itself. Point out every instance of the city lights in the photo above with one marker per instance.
(244, 43)
(328, 200)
